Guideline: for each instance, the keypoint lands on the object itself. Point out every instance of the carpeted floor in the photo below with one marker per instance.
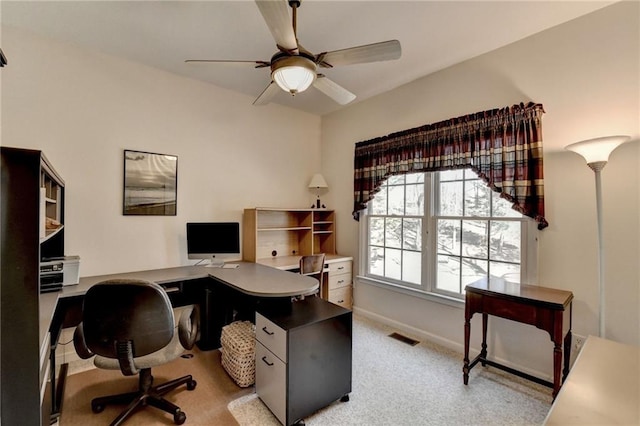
(393, 383)
(206, 405)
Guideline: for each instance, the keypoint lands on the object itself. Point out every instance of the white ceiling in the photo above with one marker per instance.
(162, 34)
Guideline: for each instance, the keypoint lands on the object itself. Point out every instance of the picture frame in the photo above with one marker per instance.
(150, 184)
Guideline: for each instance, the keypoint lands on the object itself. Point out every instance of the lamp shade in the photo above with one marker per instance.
(598, 149)
(294, 74)
(317, 181)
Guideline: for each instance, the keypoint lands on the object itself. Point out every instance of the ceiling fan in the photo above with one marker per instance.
(294, 69)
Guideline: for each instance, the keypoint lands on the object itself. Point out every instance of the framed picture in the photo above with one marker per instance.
(150, 184)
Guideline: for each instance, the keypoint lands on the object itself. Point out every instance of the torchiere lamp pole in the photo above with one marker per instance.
(596, 152)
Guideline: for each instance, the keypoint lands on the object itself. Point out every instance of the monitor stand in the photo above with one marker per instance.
(215, 263)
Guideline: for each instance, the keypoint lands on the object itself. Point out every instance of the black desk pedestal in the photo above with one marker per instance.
(303, 357)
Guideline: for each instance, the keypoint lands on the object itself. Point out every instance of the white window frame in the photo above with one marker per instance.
(428, 290)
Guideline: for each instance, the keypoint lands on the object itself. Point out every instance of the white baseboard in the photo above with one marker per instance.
(439, 340)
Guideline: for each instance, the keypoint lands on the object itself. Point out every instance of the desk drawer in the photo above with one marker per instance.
(341, 296)
(343, 267)
(341, 280)
(271, 381)
(271, 336)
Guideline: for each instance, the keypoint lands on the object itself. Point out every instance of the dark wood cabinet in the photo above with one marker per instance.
(303, 357)
(32, 215)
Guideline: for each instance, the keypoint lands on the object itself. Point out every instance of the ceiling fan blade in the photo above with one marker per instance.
(276, 15)
(267, 94)
(383, 51)
(333, 90)
(257, 64)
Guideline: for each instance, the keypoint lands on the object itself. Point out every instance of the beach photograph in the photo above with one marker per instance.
(150, 183)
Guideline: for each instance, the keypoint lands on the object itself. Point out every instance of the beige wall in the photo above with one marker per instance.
(83, 109)
(586, 73)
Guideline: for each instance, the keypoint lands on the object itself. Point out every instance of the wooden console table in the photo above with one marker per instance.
(544, 308)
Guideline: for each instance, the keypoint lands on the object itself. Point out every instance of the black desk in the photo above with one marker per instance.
(224, 295)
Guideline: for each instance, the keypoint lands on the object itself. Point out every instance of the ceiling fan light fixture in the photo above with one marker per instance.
(293, 74)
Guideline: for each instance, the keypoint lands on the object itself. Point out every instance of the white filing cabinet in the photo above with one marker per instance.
(340, 283)
(303, 357)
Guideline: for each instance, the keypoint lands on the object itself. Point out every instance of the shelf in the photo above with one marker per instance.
(299, 228)
(50, 233)
(323, 232)
(50, 200)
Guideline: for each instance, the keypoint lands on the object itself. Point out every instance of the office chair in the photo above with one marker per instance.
(313, 266)
(129, 326)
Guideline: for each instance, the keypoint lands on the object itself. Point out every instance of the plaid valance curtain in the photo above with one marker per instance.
(503, 146)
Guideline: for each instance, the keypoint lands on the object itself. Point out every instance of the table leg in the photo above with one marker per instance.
(567, 355)
(483, 352)
(557, 364)
(467, 335)
(567, 346)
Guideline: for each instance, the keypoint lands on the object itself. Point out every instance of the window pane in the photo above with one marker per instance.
(376, 261)
(414, 202)
(507, 271)
(451, 199)
(449, 237)
(376, 231)
(451, 175)
(412, 234)
(379, 202)
(477, 198)
(505, 241)
(470, 174)
(474, 238)
(393, 232)
(502, 207)
(473, 270)
(448, 273)
(396, 200)
(392, 261)
(412, 267)
(395, 180)
(415, 178)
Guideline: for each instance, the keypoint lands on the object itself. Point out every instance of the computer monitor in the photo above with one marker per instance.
(216, 241)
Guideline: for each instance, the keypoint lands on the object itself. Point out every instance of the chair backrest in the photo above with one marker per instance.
(135, 313)
(313, 265)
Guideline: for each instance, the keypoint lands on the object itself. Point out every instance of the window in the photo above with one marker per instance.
(438, 232)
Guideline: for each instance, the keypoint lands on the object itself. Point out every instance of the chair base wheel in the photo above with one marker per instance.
(179, 418)
(191, 385)
(345, 398)
(97, 408)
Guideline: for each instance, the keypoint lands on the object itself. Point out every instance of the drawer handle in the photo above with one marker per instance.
(264, 359)
(340, 267)
(341, 301)
(340, 281)
(270, 333)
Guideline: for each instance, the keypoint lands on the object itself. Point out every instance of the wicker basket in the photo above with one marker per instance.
(238, 350)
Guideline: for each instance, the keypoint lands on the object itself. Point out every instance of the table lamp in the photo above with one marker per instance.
(318, 184)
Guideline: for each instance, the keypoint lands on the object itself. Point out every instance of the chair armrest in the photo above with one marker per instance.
(80, 343)
(188, 326)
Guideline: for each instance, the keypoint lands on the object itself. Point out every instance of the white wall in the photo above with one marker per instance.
(83, 109)
(586, 73)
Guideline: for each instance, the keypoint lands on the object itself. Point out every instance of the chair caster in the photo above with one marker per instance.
(345, 398)
(179, 417)
(97, 408)
(191, 385)
(299, 423)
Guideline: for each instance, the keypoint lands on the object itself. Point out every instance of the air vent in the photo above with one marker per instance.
(404, 339)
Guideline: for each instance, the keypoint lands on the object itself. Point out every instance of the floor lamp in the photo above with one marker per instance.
(596, 152)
